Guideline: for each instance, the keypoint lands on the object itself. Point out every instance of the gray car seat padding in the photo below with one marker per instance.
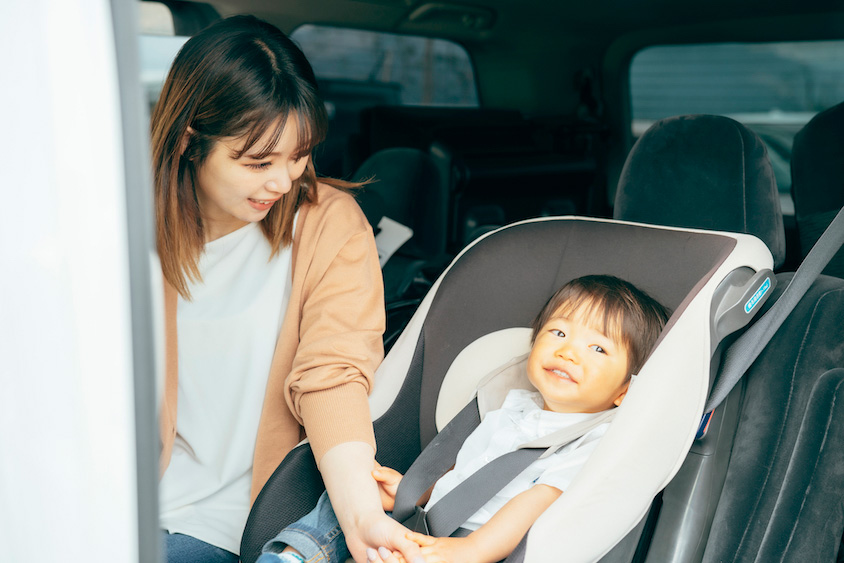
(782, 498)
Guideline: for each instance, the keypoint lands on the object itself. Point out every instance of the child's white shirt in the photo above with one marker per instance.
(519, 420)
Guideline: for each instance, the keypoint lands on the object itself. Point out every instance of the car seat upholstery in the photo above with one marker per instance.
(703, 172)
(500, 282)
(817, 170)
(404, 186)
(763, 476)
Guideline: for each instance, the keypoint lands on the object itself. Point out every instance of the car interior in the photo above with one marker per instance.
(507, 147)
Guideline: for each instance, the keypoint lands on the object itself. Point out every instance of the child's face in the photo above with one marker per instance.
(576, 367)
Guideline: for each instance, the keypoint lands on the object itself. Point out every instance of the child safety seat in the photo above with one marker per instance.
(713, 281)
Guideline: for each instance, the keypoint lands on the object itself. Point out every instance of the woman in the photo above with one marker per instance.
(273, 287)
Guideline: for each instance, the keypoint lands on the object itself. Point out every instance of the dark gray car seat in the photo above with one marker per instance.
(758, 486)
(817, 171)
(405, 186)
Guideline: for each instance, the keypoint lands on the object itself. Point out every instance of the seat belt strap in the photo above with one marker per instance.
(435, 460)
(743, 352)
(451, 511)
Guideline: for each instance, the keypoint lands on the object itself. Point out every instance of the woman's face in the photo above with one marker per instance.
(235, 191)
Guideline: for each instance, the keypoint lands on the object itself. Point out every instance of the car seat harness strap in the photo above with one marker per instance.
(449, 513)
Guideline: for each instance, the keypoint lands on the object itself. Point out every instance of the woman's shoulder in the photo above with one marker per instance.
(336, 205)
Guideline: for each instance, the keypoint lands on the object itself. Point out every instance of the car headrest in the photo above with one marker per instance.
(703, 172)
(406, 187)
(817, 174)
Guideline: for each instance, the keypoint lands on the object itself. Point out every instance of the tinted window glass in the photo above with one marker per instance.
(773, 88)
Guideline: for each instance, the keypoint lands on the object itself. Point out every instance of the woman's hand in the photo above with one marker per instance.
(381, 530)
(347, 471)
(388, 480)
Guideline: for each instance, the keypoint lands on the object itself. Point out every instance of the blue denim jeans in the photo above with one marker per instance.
(316, 536)
(180, 548)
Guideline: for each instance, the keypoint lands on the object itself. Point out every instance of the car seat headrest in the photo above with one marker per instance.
(705, 172)
(406, 187)
(817, 173)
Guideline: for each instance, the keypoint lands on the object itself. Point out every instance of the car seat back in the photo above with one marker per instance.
(817, 170)
(702, 172)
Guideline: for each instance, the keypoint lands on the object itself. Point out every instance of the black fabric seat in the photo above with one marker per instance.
(758, 487)
(817, 171)
(405, 186)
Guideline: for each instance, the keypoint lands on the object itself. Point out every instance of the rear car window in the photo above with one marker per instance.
(358, 69)
(157, 47)
(773, 88)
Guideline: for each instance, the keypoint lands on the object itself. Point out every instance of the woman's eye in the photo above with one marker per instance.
(259, 165)
(598, 349)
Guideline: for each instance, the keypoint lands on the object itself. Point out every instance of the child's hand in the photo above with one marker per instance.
(445, 550)
(388, 482)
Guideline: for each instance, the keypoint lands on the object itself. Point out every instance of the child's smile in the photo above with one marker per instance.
(576, 367)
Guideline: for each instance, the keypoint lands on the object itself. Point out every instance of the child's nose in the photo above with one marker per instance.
(567, 352)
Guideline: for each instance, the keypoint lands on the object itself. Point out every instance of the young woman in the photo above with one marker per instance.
(273, 296)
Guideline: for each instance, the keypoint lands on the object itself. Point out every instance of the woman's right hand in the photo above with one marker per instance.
(388, 480)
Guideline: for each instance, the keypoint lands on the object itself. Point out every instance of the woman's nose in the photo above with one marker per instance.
(280, 183)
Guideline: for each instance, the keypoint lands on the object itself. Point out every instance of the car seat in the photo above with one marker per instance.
(499, 282)
(817, 170)
(405, 193)
(756, 488)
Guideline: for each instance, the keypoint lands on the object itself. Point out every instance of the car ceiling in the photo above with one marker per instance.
(509, 20)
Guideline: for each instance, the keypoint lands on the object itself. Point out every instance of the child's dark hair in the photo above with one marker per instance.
(630, 316)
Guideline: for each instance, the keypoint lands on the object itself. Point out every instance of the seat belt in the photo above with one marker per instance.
(743, 352)
(450, 512)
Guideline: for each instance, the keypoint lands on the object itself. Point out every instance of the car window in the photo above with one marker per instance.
(357, 69)
(408, 70)
(157, 48)
(773, 88)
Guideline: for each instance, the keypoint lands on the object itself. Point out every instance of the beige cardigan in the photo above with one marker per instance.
(329, 346)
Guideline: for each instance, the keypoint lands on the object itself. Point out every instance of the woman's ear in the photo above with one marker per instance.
(183, 146)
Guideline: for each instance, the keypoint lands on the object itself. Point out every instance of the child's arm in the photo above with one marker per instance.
(498, 537)
(388, 483)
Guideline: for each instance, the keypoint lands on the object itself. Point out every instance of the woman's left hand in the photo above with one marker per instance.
(382, 531)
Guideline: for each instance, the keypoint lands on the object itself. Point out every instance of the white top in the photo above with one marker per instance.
(519, 420)
(227, 337)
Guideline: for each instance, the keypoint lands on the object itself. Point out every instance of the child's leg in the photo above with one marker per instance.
(316, 537)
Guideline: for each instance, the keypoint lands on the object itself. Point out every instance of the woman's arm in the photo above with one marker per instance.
(340, 332)
(346, 470)
(498, 537)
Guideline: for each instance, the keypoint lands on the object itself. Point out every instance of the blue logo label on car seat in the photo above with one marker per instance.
(753, 301)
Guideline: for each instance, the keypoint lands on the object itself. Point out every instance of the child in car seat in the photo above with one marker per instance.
(588, 340)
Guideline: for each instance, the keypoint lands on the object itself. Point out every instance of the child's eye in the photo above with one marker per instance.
(558, 332)
(259, 165)
(598, 349)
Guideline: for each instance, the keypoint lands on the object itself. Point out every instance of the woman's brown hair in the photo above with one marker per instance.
(239, 78)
